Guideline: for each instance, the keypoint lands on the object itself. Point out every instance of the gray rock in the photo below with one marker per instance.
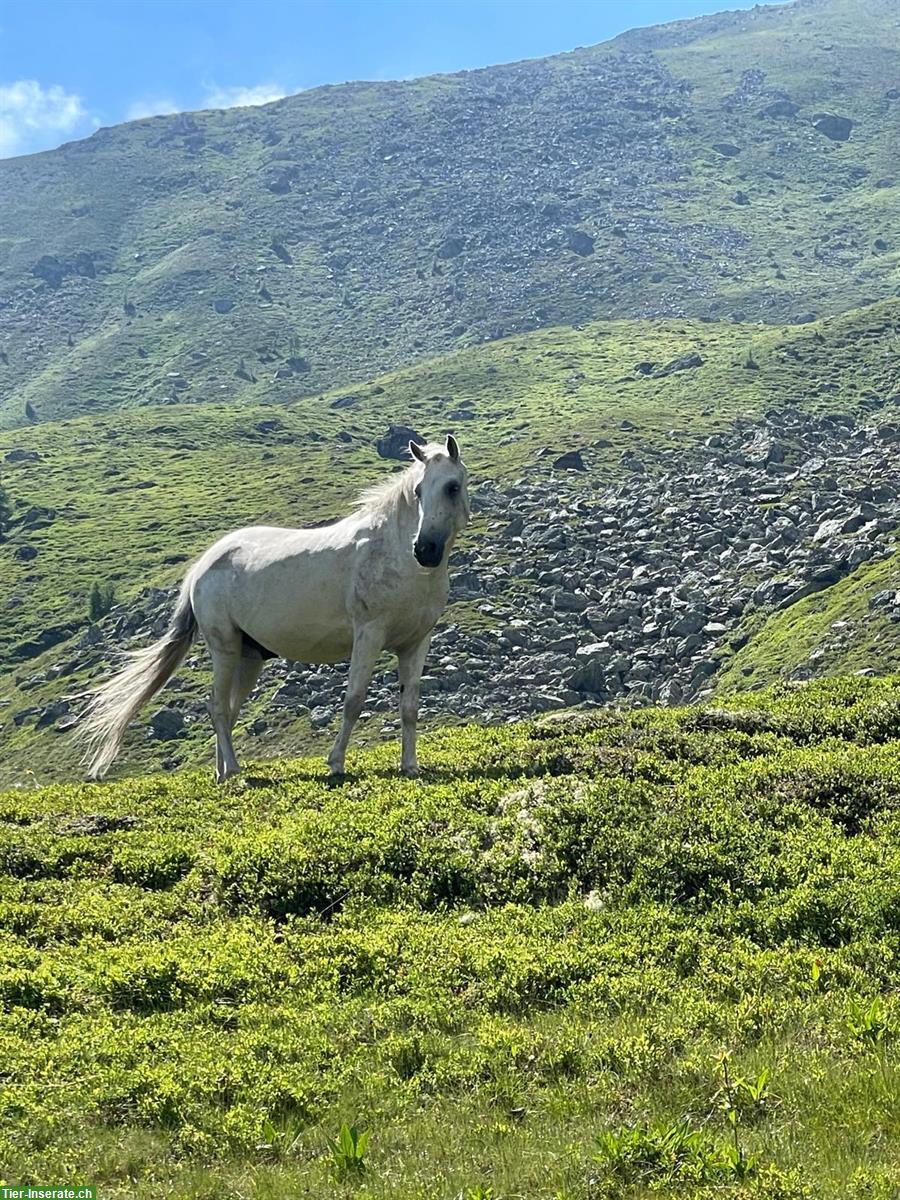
(591, 677)
(836, 128)
(573, 602)
(684, 362)
(570, 461)
(167, 723)
(689, 622)
(828, 529)
(52, 713)
(579, 242)
(395, 443)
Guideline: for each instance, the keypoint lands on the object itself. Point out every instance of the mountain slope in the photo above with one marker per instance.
(852, 626)
(270, 253)
(127, 490)
(674, 453)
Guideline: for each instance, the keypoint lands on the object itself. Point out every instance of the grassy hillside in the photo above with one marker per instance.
(519, 975)
(132, 496)
(838, 630)
(265, 254)
(134, 488)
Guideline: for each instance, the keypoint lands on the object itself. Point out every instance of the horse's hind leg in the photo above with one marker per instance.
(247, 672)
(226, 653)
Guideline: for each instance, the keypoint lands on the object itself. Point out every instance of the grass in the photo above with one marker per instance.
(518, 975)
(830, 632)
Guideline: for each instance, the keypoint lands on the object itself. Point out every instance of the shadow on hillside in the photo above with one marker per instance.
(428, 775)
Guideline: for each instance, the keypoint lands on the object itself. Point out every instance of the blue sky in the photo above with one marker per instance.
(68, 66)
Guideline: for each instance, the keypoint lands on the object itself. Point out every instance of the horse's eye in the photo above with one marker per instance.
(452, 489)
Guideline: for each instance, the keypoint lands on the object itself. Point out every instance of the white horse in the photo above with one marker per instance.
(375, 580)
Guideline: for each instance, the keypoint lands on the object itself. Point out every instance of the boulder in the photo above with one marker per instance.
(781, 108)
(579, 242)
(450, 247)
(395, 443)
(36, 517)
(573, 602)
(49, 268)
(684, 362)
(167, 723)
(833, 127)
(687, 623)
(570, 461)
(589, 677)
(52, 713)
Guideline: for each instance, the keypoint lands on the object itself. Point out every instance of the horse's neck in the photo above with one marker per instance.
(400, 516)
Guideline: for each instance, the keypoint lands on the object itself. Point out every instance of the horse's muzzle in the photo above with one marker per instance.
(428, 551)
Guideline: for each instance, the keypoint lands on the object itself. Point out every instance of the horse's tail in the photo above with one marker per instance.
(113, 705)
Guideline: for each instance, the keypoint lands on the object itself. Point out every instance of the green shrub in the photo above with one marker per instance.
(555, 931)
(101, 600)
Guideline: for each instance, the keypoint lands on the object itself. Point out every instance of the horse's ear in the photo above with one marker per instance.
(453, 447)
(416, 451)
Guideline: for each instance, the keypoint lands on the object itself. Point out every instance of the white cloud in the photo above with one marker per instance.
(151, 106)
(242, 97)
(33, 117)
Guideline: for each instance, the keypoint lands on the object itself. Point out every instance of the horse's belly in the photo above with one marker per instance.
(306, 638)
(312, 646)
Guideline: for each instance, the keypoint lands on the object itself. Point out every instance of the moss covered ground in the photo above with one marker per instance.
(519, 974)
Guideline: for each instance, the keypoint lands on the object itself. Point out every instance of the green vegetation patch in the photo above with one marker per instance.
(836, 630)
(600, 955)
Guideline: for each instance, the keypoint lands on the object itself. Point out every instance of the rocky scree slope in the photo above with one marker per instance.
(576, 594)
(741, 165)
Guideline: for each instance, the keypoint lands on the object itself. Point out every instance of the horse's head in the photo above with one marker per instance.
(443, 500)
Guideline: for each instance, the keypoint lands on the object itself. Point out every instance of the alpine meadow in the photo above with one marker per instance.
(634, 929)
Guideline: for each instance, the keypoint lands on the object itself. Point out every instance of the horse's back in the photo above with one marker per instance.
(256, 547)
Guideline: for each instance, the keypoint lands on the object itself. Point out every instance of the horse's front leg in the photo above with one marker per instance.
(368, 643)
(410, 664)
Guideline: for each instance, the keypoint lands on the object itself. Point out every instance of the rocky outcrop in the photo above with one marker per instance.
(395, 443)
(838, 129)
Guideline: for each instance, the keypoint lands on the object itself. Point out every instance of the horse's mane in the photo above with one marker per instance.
(382, 498)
